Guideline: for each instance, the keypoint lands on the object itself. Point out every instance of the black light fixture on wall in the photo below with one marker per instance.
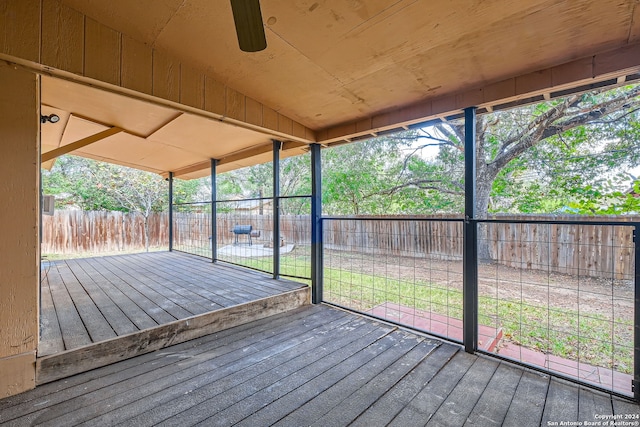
(249, 27)
(51, 118)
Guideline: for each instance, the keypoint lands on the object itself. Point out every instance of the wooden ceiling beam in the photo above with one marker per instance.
(612, 65)
(190, 169)
(235, 157)
(65, 149)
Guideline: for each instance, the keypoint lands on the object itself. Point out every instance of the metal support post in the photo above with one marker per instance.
(635, 386)
(214, 212)
(316, 225)
(470, 236)
(170, 211)
(277, 145)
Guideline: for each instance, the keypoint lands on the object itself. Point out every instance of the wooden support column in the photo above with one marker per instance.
(19, 246)
(470, 236)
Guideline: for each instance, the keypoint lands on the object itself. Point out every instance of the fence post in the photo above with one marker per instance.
(470, 236)
(170, 211)
(214, 212)
(316, 225)
(276, 208)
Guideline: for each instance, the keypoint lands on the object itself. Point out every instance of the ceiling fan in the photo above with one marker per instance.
(249, 26)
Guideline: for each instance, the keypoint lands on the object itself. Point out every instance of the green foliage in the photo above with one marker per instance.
(91, 185)
(356, 178)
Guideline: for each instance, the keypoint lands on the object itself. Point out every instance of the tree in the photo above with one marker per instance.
(137, 191)
(93, 185)
(571, 141)
(356, 178)
(73, 180)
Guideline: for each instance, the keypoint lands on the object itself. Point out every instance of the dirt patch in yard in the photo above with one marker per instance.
(607, 297)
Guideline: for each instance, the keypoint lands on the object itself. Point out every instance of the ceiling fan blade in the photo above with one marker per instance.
(249, 26)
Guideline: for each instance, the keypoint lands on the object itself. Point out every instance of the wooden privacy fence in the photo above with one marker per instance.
(593, 250)
(192, 229)
(577, 249)
(69, 232)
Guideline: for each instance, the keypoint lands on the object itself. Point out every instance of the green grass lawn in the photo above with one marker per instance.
(588, 337)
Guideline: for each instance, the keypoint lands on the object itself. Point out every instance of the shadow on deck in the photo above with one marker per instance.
(97, 311)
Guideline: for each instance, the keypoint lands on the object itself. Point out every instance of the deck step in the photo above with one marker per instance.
(75, 361)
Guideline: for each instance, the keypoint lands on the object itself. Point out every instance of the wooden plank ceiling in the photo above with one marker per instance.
(327, 62)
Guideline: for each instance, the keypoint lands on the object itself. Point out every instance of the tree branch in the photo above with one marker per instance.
(543, 127)
(428, 184)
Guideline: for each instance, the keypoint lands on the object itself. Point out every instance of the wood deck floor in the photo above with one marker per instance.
(89, 300)
(314, 365)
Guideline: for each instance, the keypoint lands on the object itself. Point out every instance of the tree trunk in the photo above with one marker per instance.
(146, 232)
(484, 183)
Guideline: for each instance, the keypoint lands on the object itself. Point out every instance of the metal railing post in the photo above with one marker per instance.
(635, 386)
(170, 211)
(316, 225)
(214, 212)
(276, 208)
(470, 237)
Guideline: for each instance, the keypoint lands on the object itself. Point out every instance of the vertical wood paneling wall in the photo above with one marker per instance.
(49, 33)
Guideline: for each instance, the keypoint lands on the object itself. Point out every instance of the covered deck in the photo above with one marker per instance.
(314, 365)
(99, 310)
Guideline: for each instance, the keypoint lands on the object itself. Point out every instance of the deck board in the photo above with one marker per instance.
(314, 364)
(592, 403)
(90, 300)
(562, 402)
(132, 302)
(155, 293)
(346, 411)
(93, 320)
(249, 379)
(120, 323)
(391, 403)
(49, 323)
(431, 397)
(74, 333)
(528, 401)
(494, 403)
(53, 393)
(463, 398)
(182, 295)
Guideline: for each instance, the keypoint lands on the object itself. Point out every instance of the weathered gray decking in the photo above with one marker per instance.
(314, 365)
(98, 311)
(95, 299)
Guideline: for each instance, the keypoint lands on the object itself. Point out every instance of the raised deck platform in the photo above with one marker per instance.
(97, 311)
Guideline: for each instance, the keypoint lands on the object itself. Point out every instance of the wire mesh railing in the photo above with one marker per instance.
(295, 232)
(407, 271)
(246, 237)
(559, 296)
(245, 233)
(556, 296)
(192, 228)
